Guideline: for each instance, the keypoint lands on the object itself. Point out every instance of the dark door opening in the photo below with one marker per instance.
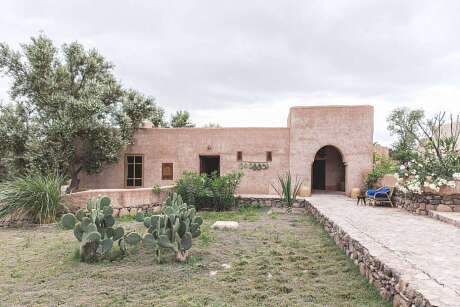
(209, 164)
(319, 175)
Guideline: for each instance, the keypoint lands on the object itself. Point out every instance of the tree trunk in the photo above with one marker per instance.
(74, 181)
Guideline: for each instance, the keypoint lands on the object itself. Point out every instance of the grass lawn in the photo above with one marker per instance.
(272, 260)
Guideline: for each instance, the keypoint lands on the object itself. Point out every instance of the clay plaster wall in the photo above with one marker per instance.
(183, 147)
(348, 128)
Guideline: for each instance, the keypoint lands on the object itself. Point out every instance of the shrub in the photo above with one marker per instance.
(374, 175)
(194, 189)
(288, 189)
(35, 196)
(203, 191)
(382, 165)
(427, 170)
(223, 190)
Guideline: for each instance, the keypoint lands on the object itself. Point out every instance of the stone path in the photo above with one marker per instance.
(425, 251)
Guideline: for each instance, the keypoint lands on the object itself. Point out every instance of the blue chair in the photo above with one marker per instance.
(380, 196)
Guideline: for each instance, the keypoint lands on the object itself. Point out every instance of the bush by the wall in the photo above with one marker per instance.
(382, 165)
(35, 196)
(203, 191)
(194, 189)
(223, 190)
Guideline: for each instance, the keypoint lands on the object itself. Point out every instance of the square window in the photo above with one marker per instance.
(167, 171)
(268, 156)
(239, 156)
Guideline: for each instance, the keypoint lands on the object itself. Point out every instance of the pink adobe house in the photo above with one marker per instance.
(330, 147)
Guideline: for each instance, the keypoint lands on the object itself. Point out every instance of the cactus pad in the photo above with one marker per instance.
(104, 201)
(106, 245)
(148, 240)
(108, 211)
(133, 238)
(80, 215)
(109, 221)
(140, 216)
(68, 221)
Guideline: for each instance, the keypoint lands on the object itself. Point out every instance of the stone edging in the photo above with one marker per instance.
(385, 279)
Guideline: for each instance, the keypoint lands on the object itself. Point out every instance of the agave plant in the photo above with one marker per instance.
(287, 189)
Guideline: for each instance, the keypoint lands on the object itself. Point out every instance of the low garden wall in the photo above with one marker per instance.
(123, 201)
(447, 199)
(427, 201)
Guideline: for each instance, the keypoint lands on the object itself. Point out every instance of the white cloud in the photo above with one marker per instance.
(244, 63)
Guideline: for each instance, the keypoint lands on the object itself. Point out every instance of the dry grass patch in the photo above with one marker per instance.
(272, 260)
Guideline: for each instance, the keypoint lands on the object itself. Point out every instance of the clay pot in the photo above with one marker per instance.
(304, 191)
(355, 192)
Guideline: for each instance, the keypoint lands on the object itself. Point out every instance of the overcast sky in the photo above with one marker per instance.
(244, 63)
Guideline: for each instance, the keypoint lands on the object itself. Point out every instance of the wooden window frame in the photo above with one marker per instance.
(239, 156)
(268, 156)
(134, 178)
(172, 171)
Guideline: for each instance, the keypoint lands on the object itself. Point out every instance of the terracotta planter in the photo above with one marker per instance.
(355, 192)
(304, 191)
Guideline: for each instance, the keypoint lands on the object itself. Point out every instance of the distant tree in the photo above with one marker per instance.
(212, 125)
(181, 120)
(400, 122)
(68, 111)
(157, 118)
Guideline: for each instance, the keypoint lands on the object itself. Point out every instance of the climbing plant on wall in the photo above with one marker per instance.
(255, 166)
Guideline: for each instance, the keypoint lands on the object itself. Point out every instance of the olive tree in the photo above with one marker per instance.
(68, 112)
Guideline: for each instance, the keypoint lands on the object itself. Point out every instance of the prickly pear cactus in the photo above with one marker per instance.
(95, 229)
(174, 228)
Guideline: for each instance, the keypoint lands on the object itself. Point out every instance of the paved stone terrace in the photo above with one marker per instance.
(425, 252)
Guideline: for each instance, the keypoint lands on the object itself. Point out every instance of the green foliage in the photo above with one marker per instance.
(212, 125)
(402, 122)
(194, 189)
(35, 196)
(181, 120)
(203, 191)
(157, 118)
(95, 230)
(427, 169)
(69, 112)
(382, 165)
(156, 189)
(255, 166)
(223, 190)
(174, 228)
(288, 189)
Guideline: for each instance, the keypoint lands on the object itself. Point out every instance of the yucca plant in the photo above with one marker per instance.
(287, 189)
(35, 196)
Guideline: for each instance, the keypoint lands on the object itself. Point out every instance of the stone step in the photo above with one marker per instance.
(452, 218)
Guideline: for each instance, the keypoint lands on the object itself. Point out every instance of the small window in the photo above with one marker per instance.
(134, 171)
(268, 156)
(167, 171)
(239, 156)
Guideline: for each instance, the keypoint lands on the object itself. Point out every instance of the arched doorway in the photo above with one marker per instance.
(328, 170)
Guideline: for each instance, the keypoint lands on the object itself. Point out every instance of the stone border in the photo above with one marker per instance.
(384, 278)
(425, 202)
